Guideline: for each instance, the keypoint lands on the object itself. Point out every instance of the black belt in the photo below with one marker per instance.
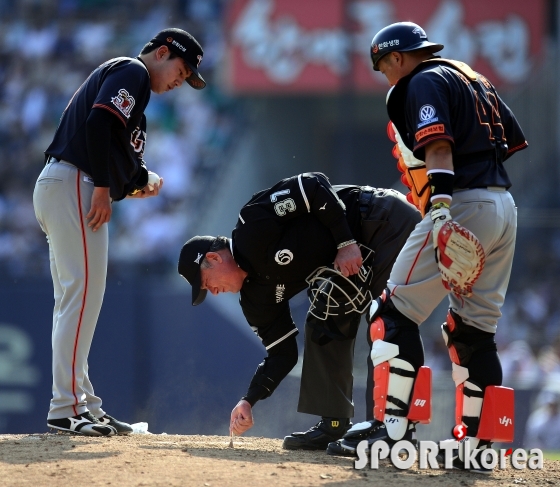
(51, 160)
(364, 200)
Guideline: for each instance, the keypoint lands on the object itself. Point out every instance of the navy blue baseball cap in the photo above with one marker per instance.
(186, 46)
(191, 257)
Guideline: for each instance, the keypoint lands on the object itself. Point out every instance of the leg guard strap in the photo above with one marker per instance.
(402, 372)
(392, 384)
(403, 406)
(469, 406)
(417, 408)
(472, 392)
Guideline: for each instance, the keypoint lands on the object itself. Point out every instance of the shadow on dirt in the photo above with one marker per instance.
(37, 448)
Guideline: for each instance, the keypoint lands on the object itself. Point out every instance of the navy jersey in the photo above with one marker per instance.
(121, 86)
(443, 99)
(282, 235)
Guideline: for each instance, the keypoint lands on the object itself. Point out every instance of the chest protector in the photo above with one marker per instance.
(413, 172)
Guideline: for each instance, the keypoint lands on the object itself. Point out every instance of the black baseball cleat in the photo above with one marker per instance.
(371, 431)
(319, 436)
(82, 424)
(475, 464)
(120, 427)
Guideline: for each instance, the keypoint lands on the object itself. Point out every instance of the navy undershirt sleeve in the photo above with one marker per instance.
(99, 126)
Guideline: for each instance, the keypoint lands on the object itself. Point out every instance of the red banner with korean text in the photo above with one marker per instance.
(322, 46)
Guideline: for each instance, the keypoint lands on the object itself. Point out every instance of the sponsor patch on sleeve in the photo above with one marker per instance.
(432, 129)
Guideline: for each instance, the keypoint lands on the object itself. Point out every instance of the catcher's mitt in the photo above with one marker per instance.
(460, 257)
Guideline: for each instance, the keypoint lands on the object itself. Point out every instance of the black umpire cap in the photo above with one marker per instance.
(186, 46)
(190, 259)
(400, 37)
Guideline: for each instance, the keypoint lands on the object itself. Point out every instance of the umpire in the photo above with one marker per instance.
(341, 242)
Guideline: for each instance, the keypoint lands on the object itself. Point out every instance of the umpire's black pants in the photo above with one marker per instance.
(326, 378)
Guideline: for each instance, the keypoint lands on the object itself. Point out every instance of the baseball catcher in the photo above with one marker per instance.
(340, 243)
(453, 134)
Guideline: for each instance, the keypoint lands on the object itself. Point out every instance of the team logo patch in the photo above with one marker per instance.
(197, 260)
(420, 32)
(375, 49)
(124, 102)
(434, 129)
(283, 257)
(427, 112)
(199, 57)
(138, 140)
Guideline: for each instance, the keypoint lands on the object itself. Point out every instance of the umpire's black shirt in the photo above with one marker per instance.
(282, 235)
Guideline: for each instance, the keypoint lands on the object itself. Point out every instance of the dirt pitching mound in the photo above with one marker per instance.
(174, 460)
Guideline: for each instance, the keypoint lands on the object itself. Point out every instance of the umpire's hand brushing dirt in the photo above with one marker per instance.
(241, 418)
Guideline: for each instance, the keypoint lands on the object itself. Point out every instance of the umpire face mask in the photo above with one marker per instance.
(337, 302)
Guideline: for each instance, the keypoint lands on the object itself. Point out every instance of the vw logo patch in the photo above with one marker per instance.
(427, 112)
(283, 257)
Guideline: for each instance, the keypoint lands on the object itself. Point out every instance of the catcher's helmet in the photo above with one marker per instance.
(400, 37)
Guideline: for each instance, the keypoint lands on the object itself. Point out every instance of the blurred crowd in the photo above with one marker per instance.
(47, 49)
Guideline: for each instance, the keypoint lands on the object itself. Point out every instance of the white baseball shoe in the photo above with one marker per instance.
(82, 424)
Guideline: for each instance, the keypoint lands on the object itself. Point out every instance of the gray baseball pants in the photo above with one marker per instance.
(78, 262)
(415, 281)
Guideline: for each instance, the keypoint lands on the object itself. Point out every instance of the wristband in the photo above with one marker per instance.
(345, 244)
(441, 183)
